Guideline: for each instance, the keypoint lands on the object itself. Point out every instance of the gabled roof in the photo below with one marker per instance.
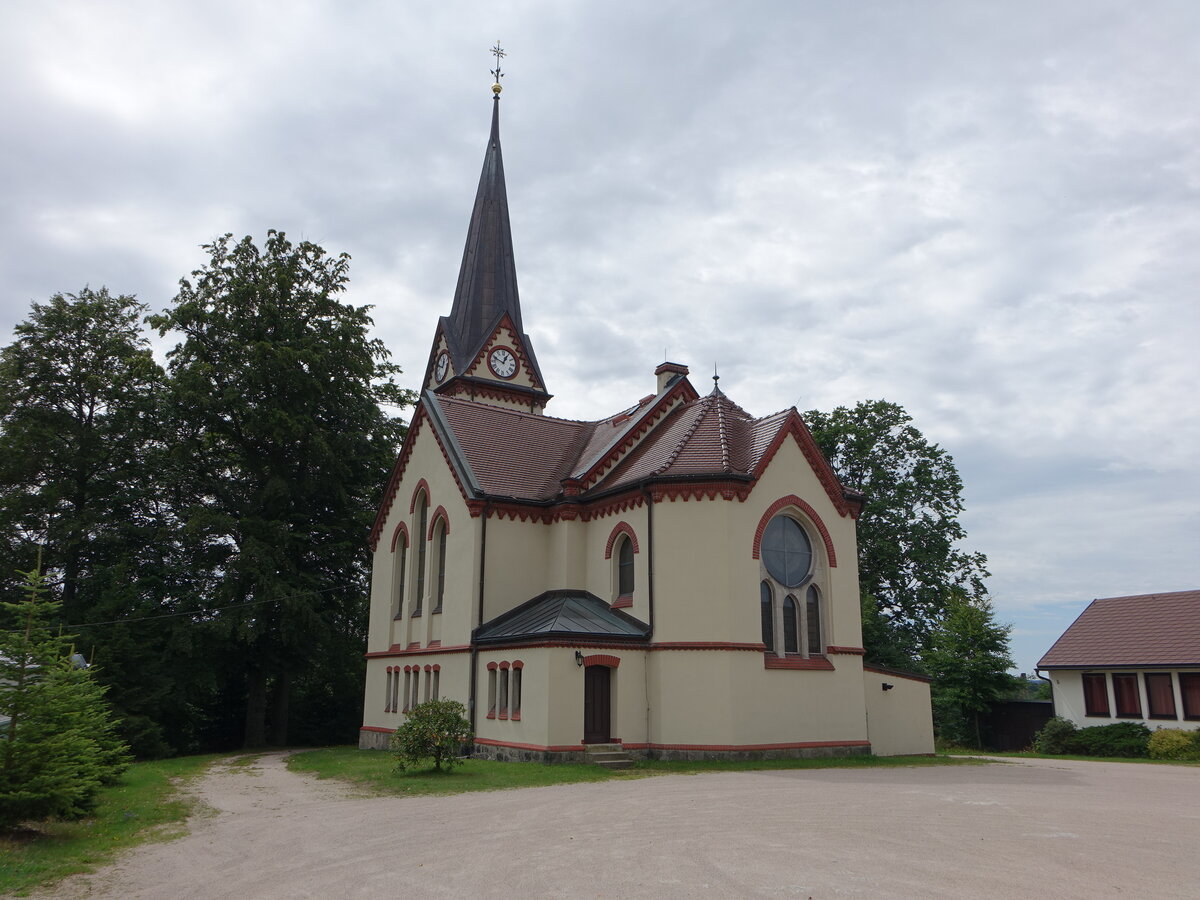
(507, 454)
(562, 614)
(1142, 630)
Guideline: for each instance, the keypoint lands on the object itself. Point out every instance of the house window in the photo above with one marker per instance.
(428, 679)
(791, 622)
(1189, 689)
(437, 683)
(516, 691)
(767, 610)
(1125, 690)
(422, 525)
(407, 687)
(491, 691)
(787, 551)
(788, 562)
(1160, 695)
(416, 685)
(398, 576)
(504, 693)
(1095, 694)
(440, 539)
(625, 568)
(812, 619)
(387, 694)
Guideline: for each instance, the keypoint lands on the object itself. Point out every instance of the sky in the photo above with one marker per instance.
(985, 212)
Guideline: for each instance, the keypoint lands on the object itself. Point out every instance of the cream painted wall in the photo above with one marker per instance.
(453, 684)
(899, 720)
(1067, 685)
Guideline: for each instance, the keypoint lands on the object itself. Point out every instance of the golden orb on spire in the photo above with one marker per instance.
(496, 88)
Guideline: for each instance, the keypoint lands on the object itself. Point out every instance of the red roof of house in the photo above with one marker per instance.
(1144, 630)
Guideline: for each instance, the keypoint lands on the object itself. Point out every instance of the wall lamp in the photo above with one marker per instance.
(578, 658)
(886, 686)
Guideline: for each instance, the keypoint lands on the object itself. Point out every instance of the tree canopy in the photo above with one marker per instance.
(909, 558)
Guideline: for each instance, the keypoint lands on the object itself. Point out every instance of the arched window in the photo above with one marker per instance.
(422, 526)
(625, 568)
(791, 619)
(812, 615)
(398, 576)
(788, 569)
(439, 537)
(768, 616)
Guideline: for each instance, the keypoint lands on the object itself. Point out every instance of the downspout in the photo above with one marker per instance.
(1053, 703)
(649, 598)
(479, 615)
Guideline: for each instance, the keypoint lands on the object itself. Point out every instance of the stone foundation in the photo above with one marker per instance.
(373, 740)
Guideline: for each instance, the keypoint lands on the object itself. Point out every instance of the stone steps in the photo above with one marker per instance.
(608, 756)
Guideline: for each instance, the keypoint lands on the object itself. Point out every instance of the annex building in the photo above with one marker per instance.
(679, 577)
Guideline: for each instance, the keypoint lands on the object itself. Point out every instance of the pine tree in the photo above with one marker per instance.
(59, 745)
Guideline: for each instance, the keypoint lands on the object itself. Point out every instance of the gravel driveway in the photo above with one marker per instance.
(1034, 828)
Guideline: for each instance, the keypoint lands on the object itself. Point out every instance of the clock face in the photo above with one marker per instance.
(442, 367)
(502, 362)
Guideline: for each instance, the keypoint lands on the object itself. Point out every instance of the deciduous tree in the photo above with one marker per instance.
(275, 392)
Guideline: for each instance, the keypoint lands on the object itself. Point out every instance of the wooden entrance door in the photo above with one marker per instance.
(597, 704)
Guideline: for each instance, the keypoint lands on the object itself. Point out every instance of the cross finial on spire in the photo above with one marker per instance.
(496, 73)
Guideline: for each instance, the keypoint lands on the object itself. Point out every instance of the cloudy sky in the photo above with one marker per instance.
(986, 212)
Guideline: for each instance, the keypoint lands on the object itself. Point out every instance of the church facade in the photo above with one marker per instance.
(679, 577)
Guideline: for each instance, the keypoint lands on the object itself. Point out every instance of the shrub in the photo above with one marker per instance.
(1127, 739)
(1174, 743)
(435, 729)
(1056, 736)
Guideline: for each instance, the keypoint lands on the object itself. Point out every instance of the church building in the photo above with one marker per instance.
(678, 577)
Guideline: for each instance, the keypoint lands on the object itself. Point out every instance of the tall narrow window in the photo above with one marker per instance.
(437, 684)
(1160, 695)
(407, 687)
(416, 685)
(387, 695)
(422, 524)
(1189, 689)
(428, 679)
(440, 537)
(516, 693)
(812, 614)
(767, 611)
(395, 701)
(398, 576)
(791, 625)
(1095, 694)
(491, 693)
(504, 693)
(1125, 690)
(625, 568)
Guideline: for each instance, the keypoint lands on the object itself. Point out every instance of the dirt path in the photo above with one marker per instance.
(1047, 829)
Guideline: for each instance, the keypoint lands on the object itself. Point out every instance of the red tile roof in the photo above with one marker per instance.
(1143, 630)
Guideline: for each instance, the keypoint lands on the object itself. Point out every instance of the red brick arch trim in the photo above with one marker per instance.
(601, 659)
(518, 664)
(619, 529)
(439, 513)
(783, 503)
(422, 485)
(401, 529)
(504, 665)
(493, 665)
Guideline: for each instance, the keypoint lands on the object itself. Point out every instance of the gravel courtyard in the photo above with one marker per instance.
(1033, 828)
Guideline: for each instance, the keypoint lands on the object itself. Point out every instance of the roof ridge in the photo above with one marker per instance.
(722, 435)
(521, 412)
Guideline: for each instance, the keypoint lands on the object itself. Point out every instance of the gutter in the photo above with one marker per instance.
(1038, 673)
(479, 615)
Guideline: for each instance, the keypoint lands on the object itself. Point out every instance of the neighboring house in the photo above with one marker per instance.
(680, 576)
(1130, 658)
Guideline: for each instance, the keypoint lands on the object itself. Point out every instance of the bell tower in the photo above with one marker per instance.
(480, 351)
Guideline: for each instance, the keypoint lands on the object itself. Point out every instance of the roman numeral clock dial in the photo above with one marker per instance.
(502, 362)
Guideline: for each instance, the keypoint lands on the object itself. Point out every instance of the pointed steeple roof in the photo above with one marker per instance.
(485, 318)
(487, 278)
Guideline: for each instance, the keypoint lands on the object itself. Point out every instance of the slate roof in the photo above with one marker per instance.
(562, 614)
(1142, 630)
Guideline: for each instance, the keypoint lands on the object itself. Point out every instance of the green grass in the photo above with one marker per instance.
(374, 770)
(1029, 754)
(146, 805)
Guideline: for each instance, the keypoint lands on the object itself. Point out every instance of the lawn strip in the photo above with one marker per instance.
(146, 805)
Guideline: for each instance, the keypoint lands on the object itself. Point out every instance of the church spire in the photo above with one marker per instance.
(487, 278)
(481, 350)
